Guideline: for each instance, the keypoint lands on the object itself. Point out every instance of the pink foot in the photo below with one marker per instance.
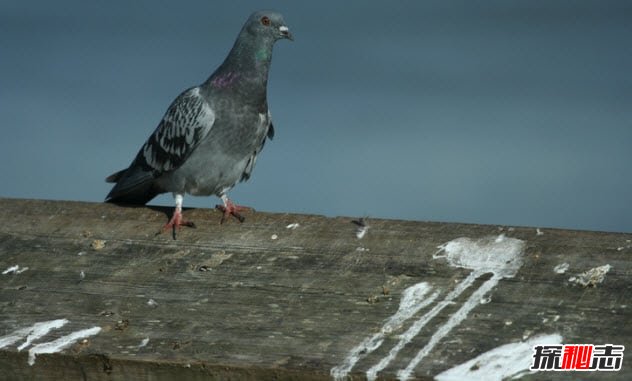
(230, 209)
(176, 222)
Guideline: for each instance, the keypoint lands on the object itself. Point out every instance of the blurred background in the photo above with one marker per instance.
(493, 112)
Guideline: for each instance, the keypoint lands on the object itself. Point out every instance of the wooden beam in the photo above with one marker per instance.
(301, 297)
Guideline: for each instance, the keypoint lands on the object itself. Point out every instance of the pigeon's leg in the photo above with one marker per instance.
(176, 220)
(230, 209)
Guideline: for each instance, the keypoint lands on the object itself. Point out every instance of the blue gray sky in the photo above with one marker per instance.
(493, 112)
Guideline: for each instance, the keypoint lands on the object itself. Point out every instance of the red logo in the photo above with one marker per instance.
(578, 357)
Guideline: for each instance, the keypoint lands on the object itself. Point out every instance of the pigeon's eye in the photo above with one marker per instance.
(265, 20)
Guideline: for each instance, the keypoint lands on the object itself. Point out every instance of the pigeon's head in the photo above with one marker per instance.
(269, 25)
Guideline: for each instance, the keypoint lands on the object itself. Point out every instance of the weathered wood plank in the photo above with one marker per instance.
(258, 300)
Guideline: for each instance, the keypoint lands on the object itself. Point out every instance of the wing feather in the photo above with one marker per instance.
(252, 160)
(186, 122)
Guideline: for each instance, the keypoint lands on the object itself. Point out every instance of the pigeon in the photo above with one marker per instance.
(210, 136)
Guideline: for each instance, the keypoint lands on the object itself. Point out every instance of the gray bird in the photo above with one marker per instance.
(210, 136)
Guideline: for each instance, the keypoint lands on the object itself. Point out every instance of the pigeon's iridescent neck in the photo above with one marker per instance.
(224, 80)
(246, 66)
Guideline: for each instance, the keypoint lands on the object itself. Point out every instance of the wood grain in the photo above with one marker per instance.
(261, 301)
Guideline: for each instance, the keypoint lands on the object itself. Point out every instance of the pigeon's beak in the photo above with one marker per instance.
(285, 32)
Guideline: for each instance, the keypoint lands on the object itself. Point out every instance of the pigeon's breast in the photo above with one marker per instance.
(219, 161)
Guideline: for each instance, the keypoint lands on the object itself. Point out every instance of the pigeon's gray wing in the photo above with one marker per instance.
(250, 165)
(187, 121)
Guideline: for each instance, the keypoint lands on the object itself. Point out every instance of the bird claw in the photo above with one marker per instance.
(175, 223)
(230, 209)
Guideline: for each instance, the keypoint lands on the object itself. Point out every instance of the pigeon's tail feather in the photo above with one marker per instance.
(115, 177)
(133, 186)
